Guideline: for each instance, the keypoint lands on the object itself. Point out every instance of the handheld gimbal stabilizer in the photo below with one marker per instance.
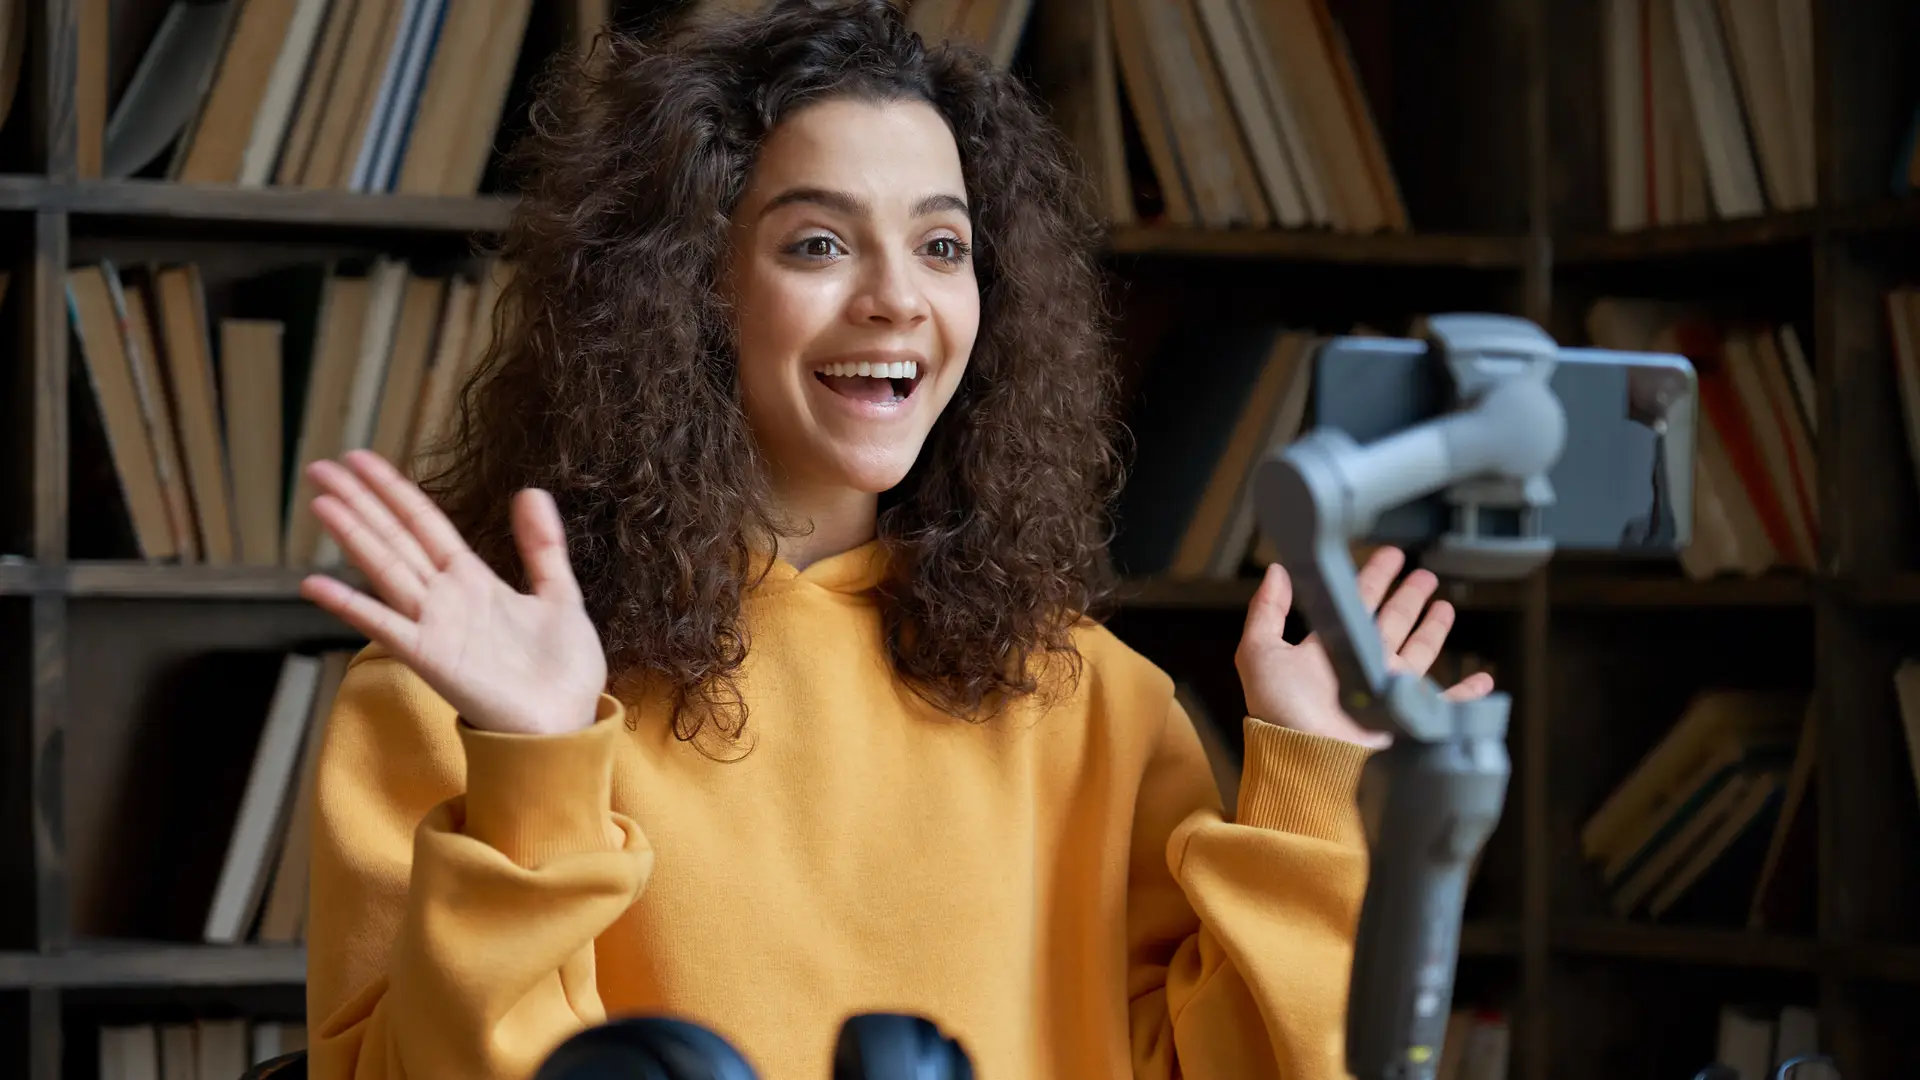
(1490, 446)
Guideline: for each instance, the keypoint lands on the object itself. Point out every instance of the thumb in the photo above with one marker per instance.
(542, 540)
(1267, 613)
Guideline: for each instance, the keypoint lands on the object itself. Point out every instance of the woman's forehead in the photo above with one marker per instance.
(884, 157)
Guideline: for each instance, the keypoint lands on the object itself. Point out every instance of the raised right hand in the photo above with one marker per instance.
(508, 661)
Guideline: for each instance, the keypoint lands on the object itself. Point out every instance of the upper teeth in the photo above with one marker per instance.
(899, 369)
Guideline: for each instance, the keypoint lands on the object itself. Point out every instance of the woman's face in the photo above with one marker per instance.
(854, 289)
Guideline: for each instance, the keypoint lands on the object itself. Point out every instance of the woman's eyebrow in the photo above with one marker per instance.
(853, 206)
(934, 204)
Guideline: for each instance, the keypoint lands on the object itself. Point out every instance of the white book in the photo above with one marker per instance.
(131, 1050)
(1733, 176)
(223, 1049)
(266, 1042)
(1802, 375)
(179, 1051)
(271, 120)
(1746, 1043)
(1798, 1035)
(388, 283)
(1233, 42)
(243, 874)
(1176, 59)
(1293, 132)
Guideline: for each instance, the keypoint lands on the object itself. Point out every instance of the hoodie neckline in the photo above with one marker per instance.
(851, 572)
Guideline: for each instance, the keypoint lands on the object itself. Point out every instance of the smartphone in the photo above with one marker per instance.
(1624, 480)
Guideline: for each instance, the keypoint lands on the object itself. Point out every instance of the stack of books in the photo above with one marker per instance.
(1709, 109)
(210, 419)
(1712, 816)
(349, 95)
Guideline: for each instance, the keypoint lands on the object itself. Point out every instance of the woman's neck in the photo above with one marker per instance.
(841, 518)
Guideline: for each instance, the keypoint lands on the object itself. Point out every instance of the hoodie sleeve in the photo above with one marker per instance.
(432, 841)
(1242, 931)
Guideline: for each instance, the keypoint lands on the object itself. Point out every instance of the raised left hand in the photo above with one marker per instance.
(1294, 685)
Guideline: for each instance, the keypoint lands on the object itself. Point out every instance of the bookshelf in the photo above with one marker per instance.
(159, 200)
(1494, 122)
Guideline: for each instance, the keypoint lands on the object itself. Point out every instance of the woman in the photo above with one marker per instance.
(747, 675)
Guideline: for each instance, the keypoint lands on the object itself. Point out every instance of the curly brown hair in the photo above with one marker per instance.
(612, 383)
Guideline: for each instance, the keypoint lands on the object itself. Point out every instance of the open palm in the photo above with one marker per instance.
(1294, 686)
(508, 661)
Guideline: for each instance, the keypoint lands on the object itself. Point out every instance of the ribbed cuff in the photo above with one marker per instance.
(1300, 783)
(538, 797)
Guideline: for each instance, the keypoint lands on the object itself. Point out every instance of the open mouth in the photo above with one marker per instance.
(874, 383)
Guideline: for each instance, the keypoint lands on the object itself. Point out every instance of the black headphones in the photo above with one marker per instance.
(872, 1046)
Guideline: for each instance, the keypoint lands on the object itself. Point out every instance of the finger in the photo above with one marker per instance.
(1267, 613)
(1377, 573)
(1423, 645)
(395, 581)
(437, 536)
(542, 539)
(1403, 608)
(1375, 740)
(347, 486)
(1477, 685)
(362, 612)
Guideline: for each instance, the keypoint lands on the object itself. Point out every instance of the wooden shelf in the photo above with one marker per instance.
(1883, 963)
(1887, 215)
(162, 200)
(106, 964)
(1697, 238)
(1318, 245)
(1734, 948)
(1900, 590)
(1684, 944)
(137, 579)
(1883, 215)
(1590, 589)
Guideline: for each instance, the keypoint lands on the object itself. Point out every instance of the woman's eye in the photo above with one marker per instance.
(947, 249)
(819, 246)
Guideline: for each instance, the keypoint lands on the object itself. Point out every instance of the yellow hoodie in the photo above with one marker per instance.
(1058, 891)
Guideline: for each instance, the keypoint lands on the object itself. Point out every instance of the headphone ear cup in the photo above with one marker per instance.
(885, 1046)
(646, 1048)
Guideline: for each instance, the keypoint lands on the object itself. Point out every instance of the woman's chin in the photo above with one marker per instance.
(872, 470)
